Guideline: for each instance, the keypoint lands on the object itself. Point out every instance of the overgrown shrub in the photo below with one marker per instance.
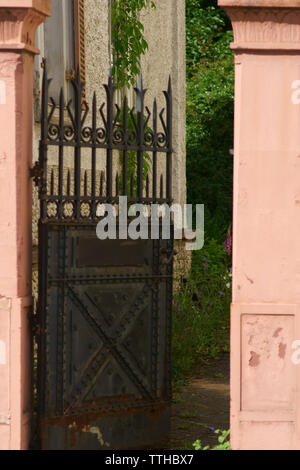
(201, 310)
(210, 95)
(201, 305)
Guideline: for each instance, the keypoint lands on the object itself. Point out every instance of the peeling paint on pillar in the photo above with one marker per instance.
(282, 350)
(254, 359)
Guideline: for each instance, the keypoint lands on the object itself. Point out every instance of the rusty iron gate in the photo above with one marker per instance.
(104, 308)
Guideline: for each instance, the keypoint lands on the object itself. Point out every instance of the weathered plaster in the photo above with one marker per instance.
(165, 33)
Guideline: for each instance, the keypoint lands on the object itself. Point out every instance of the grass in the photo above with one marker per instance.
(201, 307)
(189, 415)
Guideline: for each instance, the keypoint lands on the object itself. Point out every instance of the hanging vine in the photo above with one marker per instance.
(128, 40)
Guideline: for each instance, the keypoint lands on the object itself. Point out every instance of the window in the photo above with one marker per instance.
(61, 40)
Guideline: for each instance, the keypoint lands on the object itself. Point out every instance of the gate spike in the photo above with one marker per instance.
(170, 86)
(94, 116)
(117, 184)
(101, 184)
(154, 156)
(110, 78)
(161, 186)
(68, 183)
(95, 101)
(61, 138)
(85, 183)
(52, 183)
(154, 116)
(140, 82)
(147, 186)
(61, 98)
(94, 140)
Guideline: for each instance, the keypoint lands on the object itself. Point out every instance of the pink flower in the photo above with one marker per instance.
(227, 244)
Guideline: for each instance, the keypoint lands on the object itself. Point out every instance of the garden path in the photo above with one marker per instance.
(203, 404)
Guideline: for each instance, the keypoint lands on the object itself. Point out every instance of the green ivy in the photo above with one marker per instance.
(207, 33)
(223, 441)
(128, 40)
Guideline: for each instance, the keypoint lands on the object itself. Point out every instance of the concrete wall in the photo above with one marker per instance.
(165, 34)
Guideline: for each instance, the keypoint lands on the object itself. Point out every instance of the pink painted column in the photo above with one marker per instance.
(18, 22)
(265, 314)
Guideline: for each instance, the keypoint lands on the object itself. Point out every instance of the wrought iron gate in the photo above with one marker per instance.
(104, 309)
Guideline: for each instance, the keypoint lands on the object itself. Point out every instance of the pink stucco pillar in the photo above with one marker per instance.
(18, 22)
(265, 313)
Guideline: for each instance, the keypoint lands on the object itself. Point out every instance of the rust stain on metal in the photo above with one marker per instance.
(88, 429)
(94, 414)
(254, 359)
(86, 422)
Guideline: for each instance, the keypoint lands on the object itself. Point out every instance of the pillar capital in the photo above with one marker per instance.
(19, 20)
(264, 24)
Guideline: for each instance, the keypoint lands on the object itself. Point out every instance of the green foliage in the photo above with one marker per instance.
(208, 34)
(218, 261)
(201, 304)
(223, 442)
(201, 308)
(210, 95)
(128, 40)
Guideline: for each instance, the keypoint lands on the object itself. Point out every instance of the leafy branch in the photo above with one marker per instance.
(223, 442)
(128, 40)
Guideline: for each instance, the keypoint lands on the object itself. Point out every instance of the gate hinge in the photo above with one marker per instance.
(36, 173)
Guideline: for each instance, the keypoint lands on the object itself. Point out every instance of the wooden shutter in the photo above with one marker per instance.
(79, 37)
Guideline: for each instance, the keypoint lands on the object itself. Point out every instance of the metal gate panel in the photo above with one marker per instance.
(105, 364)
